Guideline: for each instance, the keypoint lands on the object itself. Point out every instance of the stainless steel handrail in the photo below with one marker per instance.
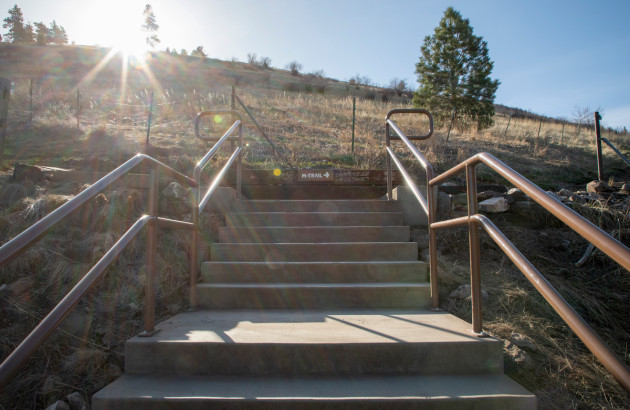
(617, 251)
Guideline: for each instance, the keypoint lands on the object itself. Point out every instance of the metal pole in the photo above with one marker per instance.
(600, 163)
(151, 264)
(562, 137)
(354, 109)
(388, 163)
(149, 119)
(5, 93)
(539, 127)
(508, 125)
(233, 99)
(473, 237)
(194, 250)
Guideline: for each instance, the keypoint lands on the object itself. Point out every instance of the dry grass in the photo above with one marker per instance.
(311, 130)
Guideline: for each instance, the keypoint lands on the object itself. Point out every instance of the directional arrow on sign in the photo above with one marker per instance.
(326, 174)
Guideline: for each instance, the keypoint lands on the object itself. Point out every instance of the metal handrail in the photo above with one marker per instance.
(199, 202)
(617, 251)
(19, 244)
(12, 249)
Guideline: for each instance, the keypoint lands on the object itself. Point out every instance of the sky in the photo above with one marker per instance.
(550, 56)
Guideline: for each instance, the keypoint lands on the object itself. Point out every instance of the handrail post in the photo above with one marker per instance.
(239, 164)
(389, 164)
(194, 250)
(151, 264)
(432, 201)
(473, 237)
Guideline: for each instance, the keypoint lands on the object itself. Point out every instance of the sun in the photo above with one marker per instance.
(131, 42)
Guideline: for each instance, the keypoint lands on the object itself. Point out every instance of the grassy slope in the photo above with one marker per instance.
(311, 129)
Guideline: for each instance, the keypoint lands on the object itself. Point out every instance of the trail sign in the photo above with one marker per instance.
(314, 175)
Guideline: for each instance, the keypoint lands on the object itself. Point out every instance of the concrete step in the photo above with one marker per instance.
(310, 234)
(361, 205)
(314, 295)
(316, 342)
(493, 391)
(314, 219)
(314, 252)
(314, 272)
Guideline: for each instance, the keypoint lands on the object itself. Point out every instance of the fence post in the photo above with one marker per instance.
(5, 93)
(562, 137)
(78, 109)
(600, 164)
(539, 127)
(354, 110)
(508, 125)
(149, 119)
(30, 105)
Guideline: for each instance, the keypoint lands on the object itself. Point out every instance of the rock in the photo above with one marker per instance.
(174, 308)
(176, 191)
(517, 194)
(113, 372)
(77, 401)
(523, 342)
(556, 196)
(520, 357)
(565, 192)
(23, 172)
(463, 293)
(59, 405)
(494, 205)
(598, 187)
(625, 189)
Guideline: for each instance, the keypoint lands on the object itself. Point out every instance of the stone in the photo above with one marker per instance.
(523, 342)
(463, 293)
(176, 191)
(556, 196)
(59, 405)
(494, 205)
(598, 187)
(519, 356)
(517, 195)
(565, 192)
(77, 401)
(23, 172)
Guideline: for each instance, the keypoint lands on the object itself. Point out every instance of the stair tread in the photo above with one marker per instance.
(317, 285)
(329, 326)
(364, 388)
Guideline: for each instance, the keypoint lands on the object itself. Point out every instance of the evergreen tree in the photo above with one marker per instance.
(198, 52)
(454, 74)
(29, 34)
(41, 34)
(150, 27)
(15, 24)
(57, 34)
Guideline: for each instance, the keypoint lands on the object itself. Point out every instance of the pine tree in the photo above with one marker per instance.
(57, 34)
(29, 34)
(41, 34)
(454, 74)
(198, 52)
(15, 24)
(150, 27)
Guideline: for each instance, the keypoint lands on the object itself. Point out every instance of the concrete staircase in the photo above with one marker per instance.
(314, 305)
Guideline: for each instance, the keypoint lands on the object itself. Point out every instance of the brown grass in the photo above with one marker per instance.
(312, 130)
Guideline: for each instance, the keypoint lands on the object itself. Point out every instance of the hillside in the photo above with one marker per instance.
(309, 119)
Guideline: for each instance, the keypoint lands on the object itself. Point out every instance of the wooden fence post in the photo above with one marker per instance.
(5, 93)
